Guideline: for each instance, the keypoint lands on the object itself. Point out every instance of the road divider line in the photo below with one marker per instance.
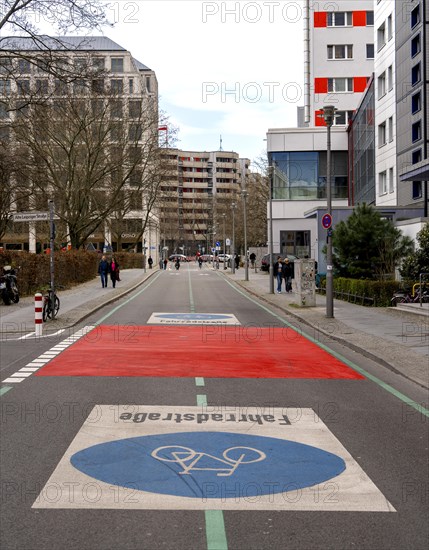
(390, 389)
(215, 525)
(199, 381)
(4, 390)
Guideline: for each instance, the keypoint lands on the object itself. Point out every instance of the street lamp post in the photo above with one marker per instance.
(245, 194)
(328, 113)
(270, 199)
(233, 205)
(224, 245)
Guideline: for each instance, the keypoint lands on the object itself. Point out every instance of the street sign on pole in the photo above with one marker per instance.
(327, 221)
(30, 216)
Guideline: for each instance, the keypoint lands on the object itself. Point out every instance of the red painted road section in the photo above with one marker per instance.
(203, 351)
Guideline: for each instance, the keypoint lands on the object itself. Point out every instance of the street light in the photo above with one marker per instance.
(270, 199)
(233, 206)
(224, 251)
(245, 194)
(328, 113)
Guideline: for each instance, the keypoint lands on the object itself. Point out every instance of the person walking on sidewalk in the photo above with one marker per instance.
(150, 262)
(278, 273)
(114, 271)
(287, 274)
(103, 270)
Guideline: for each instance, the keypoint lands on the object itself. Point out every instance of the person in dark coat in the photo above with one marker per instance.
(287, 274)
(114, 271)
(278, 273)
(103, 270)
(150, 262)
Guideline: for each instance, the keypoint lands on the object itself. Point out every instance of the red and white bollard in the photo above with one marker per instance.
(38, 314)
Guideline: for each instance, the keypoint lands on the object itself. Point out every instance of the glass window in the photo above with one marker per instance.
(340, 51)
(5, 65)
(391, 181)
(340, 84)
(416, 131)
(381, 36)
(389, 27)
(4, 113)
(41, 86)
(382, 183)
(370, 51)
(416, 102)
(4, 87)
(134, 109)
(416, 156)
(97, 85)
(24, 66)
(369, 18)
(415, 16)
(340, 19)
(60, 87)
(381, 81)
(98, 63)
(116, 108)
(390, 77)
(382, 134)
(117, 65)
(135, 132)
(117, 86)
(416, 74)
(417, 190)
(415, 45)
(23, 87)
(390, 128)
(131, 86)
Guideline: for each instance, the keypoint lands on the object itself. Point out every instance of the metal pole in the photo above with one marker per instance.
(270, 197)
(233, 239)
(52, 246)
(224, 245)
(329, 114)
(244, 194)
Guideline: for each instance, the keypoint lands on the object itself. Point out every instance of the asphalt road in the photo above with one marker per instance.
(156, 431)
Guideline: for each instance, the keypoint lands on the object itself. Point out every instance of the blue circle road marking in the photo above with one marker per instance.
(208, 464)
(192, 316)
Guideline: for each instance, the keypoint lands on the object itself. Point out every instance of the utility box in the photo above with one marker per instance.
(305, 281)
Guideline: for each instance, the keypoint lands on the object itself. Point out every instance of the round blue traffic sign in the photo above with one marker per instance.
(327, 221)
(208, 464)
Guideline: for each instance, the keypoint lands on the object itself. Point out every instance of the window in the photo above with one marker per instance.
(382, 183)
(415, 16)
(390, 77)
(342, 117)
(135, 132)
(24, 66)
(340, 19)
(4, 87)
(4, 113)
(23, 87)
(79, 86)
(382, 134)
(131, 86)
(416, 156)
(391, 181)
(390, 121)
(416, 131)
(340, 51)
(41, 87)
(381, 85)
(117, 86)
(416, 75)
(97, 85)
(417, 189)
(134, 109)
(369, 18)
(117, 64)
(80, 63)
(116, 108)
(389, 27)
(415, 45)
(370, 51)
(60, 87)
(5, 65)
(416, 103)
(381, 36)
(148, 85)
(98, 64)
(340, 84)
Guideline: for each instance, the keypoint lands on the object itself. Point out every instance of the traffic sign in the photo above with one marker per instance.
(217, 243)
(30, 216)
(327, 221)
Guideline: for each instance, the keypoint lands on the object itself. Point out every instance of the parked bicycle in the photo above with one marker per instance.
(51, 305)
(407, 298)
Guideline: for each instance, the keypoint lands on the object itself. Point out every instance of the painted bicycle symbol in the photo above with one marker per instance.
(188, 459)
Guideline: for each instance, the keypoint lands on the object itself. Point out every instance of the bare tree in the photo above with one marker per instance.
(93, 156)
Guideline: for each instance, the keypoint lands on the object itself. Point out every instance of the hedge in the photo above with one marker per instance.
(71, 267)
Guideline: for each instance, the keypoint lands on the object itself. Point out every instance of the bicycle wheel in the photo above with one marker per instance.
(46, 309)
(56, 307)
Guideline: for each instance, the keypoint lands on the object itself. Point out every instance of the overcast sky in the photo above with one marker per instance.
(231, 74)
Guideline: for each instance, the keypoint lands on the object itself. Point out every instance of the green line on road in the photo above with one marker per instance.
(115, 309)
(215, 530)
(215, 526)
(4, 389)
(191, 296)
(402, 397)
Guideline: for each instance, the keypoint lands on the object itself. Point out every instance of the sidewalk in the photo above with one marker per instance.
(395, 338)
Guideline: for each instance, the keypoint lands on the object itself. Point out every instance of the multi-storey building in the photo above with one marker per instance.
(61, 68)
(385, 104)
(412, 113)
(199, 188)
(339, 60)
(339, 56)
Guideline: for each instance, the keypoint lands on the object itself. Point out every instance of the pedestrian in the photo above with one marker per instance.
(114, 271)
(278, 273)
(165, 263)
(252, 259)
(200, 261)
(103, 270)
(237, 261)
(150, 262)
(287, 274)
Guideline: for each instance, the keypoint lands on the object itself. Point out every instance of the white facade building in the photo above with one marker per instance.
(385, 104)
